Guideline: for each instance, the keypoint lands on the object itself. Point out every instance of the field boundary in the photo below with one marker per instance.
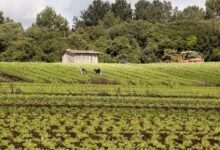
(10, 78)
(107, 106)
(115, 95)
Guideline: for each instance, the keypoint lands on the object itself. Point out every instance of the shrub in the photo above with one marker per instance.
(103, 80)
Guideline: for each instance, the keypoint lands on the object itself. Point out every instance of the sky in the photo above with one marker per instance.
(25, 11)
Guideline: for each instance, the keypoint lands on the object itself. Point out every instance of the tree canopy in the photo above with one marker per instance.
(1, 17)
(152, 32)
(122, 9)
(95, 12)
(155, 11)
(191, 13)
(213, 8)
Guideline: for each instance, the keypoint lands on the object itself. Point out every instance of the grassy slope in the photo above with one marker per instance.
(130, 74)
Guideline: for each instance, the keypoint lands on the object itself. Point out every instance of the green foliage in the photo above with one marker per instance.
(49, 19)
(215, 56)
(93, 128)
(145, 34)
(10, 33)
(212, 8)
(155, 11)
(110, 20)
(142, 9)
(190, 13)
(52, 44)
(22, 50)
(1, 17)
(95, 12)
(118, 49)
(122, 49)
(76, 41)
(192, 41)
(122, 9)
(94, 33)
(168, 53)
(53, 50)
(50, 33)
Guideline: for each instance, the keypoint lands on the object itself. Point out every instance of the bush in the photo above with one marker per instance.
(103, 80)
(215, 56)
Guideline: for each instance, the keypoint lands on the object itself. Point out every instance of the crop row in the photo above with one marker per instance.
(62, 128)
(37, 100)
(110, 90)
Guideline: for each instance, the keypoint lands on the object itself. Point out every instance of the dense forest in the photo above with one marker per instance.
(150, 32)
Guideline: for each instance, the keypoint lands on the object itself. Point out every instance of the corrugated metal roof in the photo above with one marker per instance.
(82, 51)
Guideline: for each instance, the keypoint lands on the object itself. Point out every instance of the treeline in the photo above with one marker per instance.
(152, 32)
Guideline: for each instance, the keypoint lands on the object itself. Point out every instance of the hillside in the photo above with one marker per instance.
(132, 105)
(200, 74)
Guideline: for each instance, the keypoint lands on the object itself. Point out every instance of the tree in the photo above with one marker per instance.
(122, 9)
(142, 10)
(49, 19)
(78, 25)
(153, 12)
(153, 36)
(176, 14)
(51, 43)
(109, 20)
(215, 56)
(212, 8)
(95, 12)
(22, 50)
(190, 13)
(166, 11)
(1, 17)
(76, 41)
(50, 32)
(156, 45)
(14, 45)
(53, 49)
(10, 32)
(191, 41)
(122, 49)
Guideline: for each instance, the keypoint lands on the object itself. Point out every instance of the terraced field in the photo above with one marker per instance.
(205, 74)
(154, 106)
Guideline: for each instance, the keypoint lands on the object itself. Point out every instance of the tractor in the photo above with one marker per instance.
(191, 56)
(187, 56)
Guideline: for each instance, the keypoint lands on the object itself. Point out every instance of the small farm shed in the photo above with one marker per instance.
(80, 56)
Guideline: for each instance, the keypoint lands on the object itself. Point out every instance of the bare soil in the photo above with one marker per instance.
(106, 106)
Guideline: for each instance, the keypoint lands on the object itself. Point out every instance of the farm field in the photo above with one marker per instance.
(98, 128)
(200, 74)
(154, 106)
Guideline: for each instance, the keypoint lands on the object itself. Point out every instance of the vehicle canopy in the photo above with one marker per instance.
(190, 54)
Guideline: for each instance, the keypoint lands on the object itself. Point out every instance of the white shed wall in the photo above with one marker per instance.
(79, 58)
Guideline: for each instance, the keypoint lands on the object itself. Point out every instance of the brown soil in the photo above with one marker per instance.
(213, 141)
(35, 134)
(125, 95)
(10, 78)
(146, 136)
(106, 106)
(127, 135)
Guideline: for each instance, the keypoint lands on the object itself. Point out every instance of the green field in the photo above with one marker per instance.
(131, 74)
(131, 106)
